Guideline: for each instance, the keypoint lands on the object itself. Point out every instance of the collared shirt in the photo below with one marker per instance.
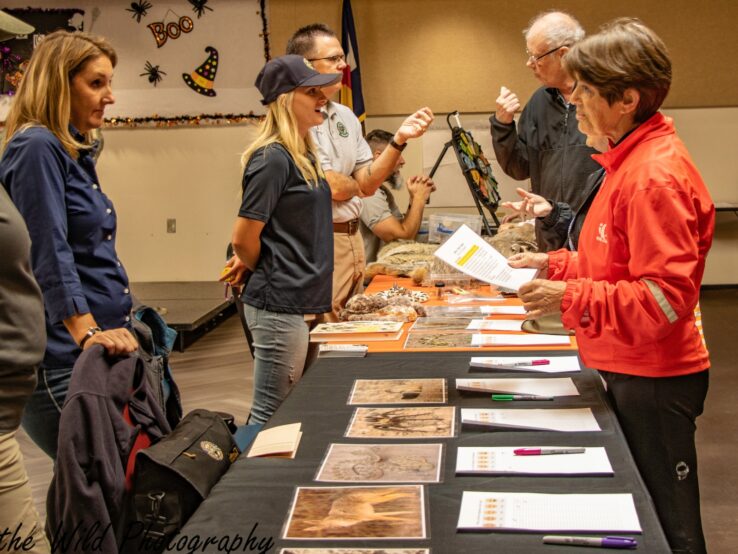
(293, 273)
(378, 207)
(342, 148)
(72, 225)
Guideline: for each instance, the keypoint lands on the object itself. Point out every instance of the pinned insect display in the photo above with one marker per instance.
(153, 73)
(139, 9)
(199, 7)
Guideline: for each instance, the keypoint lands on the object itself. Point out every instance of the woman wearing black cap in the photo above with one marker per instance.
(283, 237)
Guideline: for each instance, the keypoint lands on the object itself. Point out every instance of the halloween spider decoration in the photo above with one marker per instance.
(199, 7)
(139, 9)
(153, 72)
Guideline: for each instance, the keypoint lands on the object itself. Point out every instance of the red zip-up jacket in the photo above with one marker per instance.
(634, 283)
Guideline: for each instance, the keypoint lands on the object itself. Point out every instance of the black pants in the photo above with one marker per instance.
(658, 418)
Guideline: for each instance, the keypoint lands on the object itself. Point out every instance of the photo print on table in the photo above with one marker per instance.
(403, 423)
(438, 340)
(396, 512)
(398, 391)
(441, 323)
(354, 551)
(388, 463)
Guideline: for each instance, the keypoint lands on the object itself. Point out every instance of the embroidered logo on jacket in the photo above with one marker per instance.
(602, 234)
(342, 129)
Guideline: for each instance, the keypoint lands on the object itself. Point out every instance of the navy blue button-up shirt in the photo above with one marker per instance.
(72, 226)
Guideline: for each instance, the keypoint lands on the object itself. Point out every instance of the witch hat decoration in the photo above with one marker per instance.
(201, 80)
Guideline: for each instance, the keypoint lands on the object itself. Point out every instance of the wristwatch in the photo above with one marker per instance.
(398, 147)
(90, 331)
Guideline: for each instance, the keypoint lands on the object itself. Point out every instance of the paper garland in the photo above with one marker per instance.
(182, 121)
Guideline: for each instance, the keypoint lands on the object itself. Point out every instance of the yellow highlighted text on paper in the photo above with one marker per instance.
(465, 258)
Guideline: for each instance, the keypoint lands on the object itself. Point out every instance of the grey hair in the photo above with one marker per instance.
(562, 28)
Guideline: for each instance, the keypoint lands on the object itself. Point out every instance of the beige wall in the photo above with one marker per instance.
(193, 175)
(455, 55)
(449, 55)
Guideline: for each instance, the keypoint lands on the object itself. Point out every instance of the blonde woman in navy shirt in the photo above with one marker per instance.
(48, 170)
(283, 236)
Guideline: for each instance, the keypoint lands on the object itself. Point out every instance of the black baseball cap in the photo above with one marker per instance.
(286, 73)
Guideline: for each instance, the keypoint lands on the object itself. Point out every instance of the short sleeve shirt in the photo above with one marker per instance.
(295, 267)
(342, 148)
(376, 208)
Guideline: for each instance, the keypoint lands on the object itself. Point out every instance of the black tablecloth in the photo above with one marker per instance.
(259, 490)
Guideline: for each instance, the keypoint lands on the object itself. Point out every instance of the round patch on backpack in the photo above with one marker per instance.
(212, 450)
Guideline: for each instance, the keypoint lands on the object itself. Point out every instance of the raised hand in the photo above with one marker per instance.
(420, 185)
(537, 260)
(507, 105)
(531, 205)
(415, 125)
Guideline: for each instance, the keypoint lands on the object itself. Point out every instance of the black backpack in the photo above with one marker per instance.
(172, 477)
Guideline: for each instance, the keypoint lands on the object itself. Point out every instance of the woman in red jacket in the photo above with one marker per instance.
(631, 289)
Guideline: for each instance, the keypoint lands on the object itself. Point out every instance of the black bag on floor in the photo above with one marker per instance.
(173, 477)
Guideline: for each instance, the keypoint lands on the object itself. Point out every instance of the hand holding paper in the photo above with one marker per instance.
(469, 253)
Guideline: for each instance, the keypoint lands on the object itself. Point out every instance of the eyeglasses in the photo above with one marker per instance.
(335, 60)
(536, 59)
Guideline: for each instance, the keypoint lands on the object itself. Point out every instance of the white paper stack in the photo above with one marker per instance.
(528, 339)
(502, 461)
(554, 419)
(499, 511)
(495, 325)
(562, 386)
(556, 364)
(502, 310)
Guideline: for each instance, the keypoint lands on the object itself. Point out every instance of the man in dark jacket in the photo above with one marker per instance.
(546, 146)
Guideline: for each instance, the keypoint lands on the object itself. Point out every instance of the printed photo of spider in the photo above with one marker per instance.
(139, 9)
(153, 72)
(199, 7)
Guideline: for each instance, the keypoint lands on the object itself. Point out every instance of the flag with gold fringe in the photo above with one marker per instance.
(351, 94)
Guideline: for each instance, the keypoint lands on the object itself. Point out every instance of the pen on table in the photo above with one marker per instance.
(601, 542)
(520, 364)
(508, 397)
(544, 451)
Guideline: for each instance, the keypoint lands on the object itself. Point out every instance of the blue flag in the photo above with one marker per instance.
(351, 94)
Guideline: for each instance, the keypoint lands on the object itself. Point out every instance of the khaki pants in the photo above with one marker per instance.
(17, 513)
(348, 270)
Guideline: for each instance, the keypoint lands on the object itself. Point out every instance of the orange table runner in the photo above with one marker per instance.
(384, 282)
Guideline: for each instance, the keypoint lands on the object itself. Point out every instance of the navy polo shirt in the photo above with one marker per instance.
(72, 225)
(295, 268)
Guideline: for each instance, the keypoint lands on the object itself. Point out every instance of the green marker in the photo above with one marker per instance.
(509, 397)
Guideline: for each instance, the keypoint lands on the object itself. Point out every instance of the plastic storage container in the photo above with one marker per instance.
(442, 226)
(422, 235)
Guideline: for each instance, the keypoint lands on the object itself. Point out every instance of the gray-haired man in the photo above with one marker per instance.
(546, 146)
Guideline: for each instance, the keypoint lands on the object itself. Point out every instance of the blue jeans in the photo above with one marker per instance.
(280, 347)
(41, 416)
